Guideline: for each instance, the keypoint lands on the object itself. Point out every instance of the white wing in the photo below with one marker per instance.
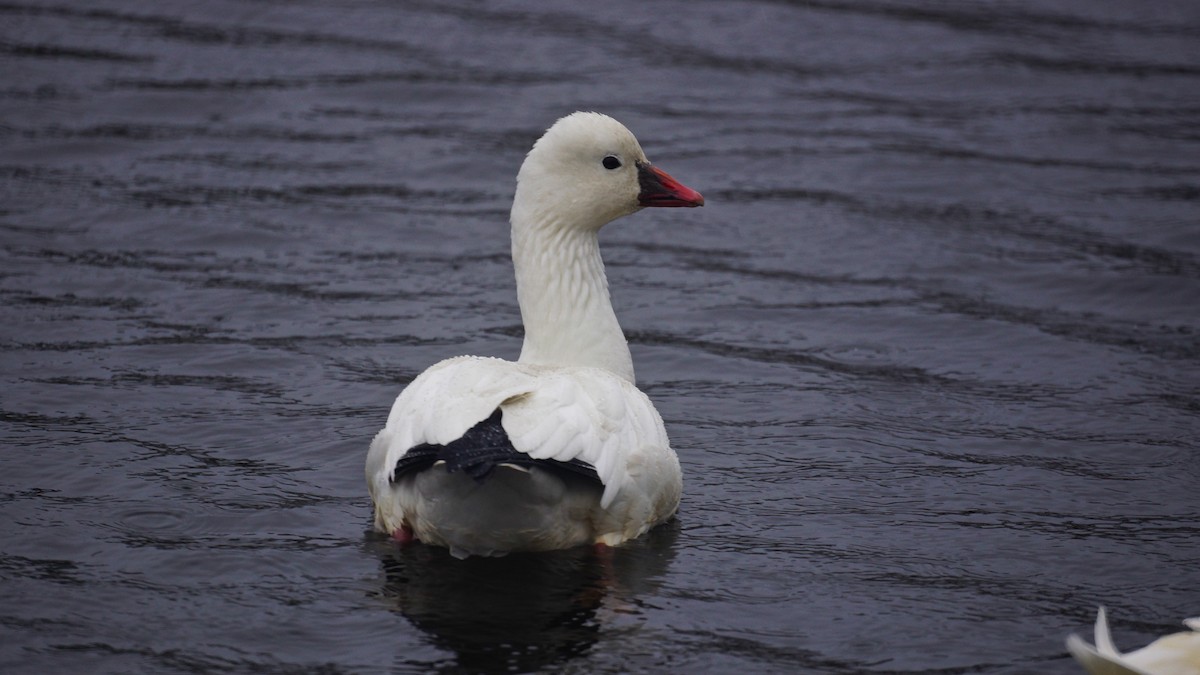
(549, 413)
(588, 414)
(1176, 654)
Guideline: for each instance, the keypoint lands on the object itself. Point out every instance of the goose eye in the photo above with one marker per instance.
(611, 162)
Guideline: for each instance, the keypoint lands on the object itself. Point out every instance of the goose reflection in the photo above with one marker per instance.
(523, 611)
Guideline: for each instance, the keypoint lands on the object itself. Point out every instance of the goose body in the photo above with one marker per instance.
(1175, 654)
(559, 448)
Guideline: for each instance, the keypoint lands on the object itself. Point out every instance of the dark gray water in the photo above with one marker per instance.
(930, 356)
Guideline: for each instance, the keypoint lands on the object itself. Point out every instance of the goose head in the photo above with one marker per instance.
(588, 170)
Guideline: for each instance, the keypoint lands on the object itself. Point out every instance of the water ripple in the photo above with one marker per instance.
(928, 355)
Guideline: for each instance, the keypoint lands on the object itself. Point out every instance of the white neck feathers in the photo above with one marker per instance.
(563, 293)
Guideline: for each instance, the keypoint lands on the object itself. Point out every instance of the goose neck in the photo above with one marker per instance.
(563, 293)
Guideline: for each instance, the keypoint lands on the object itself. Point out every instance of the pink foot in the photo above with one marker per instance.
(403, 535)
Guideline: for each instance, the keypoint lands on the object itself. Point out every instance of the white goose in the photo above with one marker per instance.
(1175, 654)
(559, 449)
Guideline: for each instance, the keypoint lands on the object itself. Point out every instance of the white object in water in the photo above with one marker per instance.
(1175, 654)
(559, 448)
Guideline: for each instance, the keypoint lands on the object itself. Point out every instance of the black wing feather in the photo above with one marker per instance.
(479, 451)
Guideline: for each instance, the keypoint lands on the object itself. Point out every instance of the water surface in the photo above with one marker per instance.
(929, 355)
